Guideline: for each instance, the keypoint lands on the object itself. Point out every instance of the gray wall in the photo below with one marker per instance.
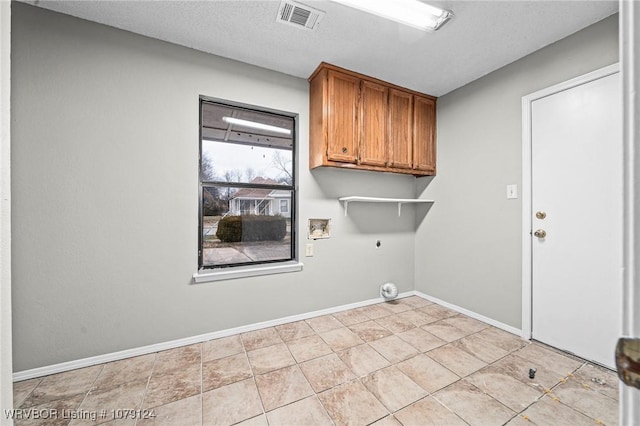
(469, 247)
(105, 197)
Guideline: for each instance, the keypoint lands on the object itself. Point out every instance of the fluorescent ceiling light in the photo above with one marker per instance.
(413, 13)
(256, 125)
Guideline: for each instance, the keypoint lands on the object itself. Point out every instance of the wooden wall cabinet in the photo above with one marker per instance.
(424, 135)
(342, 127)
(363, 123)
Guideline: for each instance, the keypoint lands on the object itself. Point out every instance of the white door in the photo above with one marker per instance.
(576, 152)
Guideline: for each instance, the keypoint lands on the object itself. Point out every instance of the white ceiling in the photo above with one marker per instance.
(482, 37)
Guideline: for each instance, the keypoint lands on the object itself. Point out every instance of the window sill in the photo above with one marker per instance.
(243, 272)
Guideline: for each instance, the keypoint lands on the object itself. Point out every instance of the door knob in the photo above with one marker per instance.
(628, 361)
(540, 233)
(541, 215)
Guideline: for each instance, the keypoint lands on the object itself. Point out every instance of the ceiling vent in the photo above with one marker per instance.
(299, 15)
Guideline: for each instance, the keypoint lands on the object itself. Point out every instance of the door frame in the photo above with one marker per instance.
(6, 357)
(527, 212)
(629, 55)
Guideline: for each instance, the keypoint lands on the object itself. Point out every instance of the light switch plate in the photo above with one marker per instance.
(308, 252)
(512, 191)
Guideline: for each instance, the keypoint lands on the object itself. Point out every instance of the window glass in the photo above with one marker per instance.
(247, 186)
(229, 162)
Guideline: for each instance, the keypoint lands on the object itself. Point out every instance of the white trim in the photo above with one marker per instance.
(143, 350)
(629, 407)
(6, 358)
(244, 272)
(506, 327)
(527, 284)
(526, 219)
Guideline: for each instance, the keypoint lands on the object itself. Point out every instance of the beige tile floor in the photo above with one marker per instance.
(407, 362)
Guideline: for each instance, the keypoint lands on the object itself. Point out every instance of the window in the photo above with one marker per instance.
(247, 185)
(284, 206)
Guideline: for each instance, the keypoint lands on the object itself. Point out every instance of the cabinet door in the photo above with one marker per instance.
(373, 110)
(400, 129)
(342, 117)
(424, 137)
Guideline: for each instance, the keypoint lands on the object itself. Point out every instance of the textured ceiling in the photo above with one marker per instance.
(482, 37)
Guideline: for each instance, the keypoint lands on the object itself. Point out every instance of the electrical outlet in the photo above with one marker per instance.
(308, 252)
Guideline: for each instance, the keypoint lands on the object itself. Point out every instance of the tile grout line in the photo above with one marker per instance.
(314, 394)
(316, 333)
(40, 379)
(509, 352)
(202, 383)
(253, 377)
(460, 378)
(86, 395)
(447, 407)
(517, 413)
(297, 364)
(391, 364)
(587, 363)
(545, 393)
(146, 389)
(155, 360)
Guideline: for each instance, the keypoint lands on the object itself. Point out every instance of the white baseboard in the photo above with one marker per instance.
(490, 321)
(144, 350)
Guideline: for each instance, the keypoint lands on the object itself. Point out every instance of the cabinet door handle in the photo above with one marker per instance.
(344, 149)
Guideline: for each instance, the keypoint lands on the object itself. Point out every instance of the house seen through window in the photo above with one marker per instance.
(247, 185)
